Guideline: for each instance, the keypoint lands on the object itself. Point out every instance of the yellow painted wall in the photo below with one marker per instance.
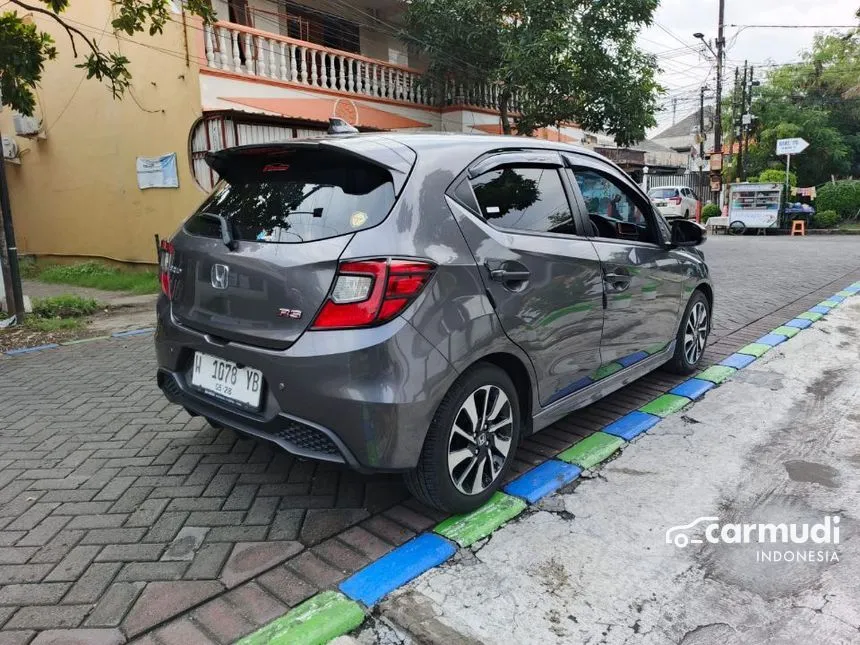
(75, 192)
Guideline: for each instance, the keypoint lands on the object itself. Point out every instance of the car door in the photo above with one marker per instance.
(689, 202)
(643, 280)
(541, 273)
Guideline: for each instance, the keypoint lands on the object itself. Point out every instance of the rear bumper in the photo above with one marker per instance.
(671, 211)
(360, 397)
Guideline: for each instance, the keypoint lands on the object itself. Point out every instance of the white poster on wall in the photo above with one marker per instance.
(157, 172)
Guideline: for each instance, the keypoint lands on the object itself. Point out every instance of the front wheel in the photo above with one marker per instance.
(692, 335)
(471, 442)
(737, 228)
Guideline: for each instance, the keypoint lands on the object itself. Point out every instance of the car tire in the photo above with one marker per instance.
(694, 328)
(454, 456)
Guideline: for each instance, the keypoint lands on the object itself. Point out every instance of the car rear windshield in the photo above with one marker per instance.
(295, 196)
(663, 193)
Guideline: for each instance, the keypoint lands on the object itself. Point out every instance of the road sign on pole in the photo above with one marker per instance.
(792, 146)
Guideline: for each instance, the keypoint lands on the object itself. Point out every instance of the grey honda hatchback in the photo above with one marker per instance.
(420, 303)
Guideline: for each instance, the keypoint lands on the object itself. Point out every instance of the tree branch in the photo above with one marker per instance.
(69, 29)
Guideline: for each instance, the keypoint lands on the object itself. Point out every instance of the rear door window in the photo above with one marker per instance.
(294, 197)
(663, 193)
(526, 199)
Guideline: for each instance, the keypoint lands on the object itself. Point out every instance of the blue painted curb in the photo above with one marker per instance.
(542, 480)
(27, 350)
(852, 289)
(800, 323)
(397, 568)
(133, 332)
(694, 388)
(739, 361)
(820, 309)
(627, 361)
(836, 298)
(772, 339)
(632, 424)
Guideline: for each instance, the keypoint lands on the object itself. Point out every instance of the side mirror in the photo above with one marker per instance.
(687, 233)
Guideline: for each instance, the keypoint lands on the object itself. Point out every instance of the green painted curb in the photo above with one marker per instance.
(788, 332)
(467, 529)
(755, 349)
(828, 303)
(316, 621)
(592, 450)
(717, 373)
(606, 370)
(845, 294)
(85, 340)
(665, 405)
(811, 315)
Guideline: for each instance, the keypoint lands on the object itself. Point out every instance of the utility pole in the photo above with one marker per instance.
(702, 124)
(748, 126)
(742, 175)
(734, 135)
(674, 109)
(718, 117)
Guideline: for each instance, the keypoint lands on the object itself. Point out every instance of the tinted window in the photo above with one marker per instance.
(524, 199)
(612, 209)
(300, 196)
(662, 193)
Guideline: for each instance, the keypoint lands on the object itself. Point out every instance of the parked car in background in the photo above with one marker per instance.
(675, 201)
(420, 303)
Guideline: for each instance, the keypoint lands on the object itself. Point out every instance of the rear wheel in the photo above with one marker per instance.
(692, 335)
(470, 443)
(737, 228)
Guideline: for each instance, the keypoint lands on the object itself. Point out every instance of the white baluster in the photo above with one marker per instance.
(209, 45)
(249, 54)
(410, 87)
(223, 43)
(374, 79)
(352, 71)
(324, 69)
(261, 55)
(313, 53)
(365, 74)
(235, 52)
(341, 77)
(401, 84)
(273, 64)
(303, 65)
(294, 70)
(283, 56)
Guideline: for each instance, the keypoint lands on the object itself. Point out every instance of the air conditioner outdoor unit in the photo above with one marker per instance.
(27, 126)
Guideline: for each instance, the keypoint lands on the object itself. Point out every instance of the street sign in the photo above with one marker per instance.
(792, 146)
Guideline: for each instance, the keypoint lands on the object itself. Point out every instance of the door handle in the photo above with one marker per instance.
(618, 281)
(503, 275)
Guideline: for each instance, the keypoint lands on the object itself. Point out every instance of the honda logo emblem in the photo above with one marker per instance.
(220, 276)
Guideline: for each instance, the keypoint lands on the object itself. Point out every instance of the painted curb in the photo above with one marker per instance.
(632, 425)
(467, 529)
(408, 561)
(428, 550)
(693, 389)
(592, 450)
(30, 350)
(542, 480)
(755, 349)
(133, 332)
(665, 405)
(812, 315)
(317, 620)
(716, 374)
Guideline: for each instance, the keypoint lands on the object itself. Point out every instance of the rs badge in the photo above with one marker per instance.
(290, 313)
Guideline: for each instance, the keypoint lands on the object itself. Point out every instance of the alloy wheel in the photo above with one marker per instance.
(696, 333)
(480, 440)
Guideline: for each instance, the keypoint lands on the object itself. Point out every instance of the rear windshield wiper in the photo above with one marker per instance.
(226, 230)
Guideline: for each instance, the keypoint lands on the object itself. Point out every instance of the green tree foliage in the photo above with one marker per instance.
(709, 211)
(565, 60)
(774, 176)
(817, 100)
(24, 48)
(825, 219)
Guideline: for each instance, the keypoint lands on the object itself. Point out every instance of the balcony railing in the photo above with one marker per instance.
(254, 53)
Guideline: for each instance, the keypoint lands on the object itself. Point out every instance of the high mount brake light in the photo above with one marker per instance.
(371, 292)
(165, 262)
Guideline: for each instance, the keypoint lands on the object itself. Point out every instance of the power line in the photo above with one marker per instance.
(795, 26)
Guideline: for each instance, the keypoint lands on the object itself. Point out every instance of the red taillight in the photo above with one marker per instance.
(370, 292)
(675, 200)
(165, 262)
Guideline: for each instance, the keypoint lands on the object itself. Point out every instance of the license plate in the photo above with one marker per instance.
(227, 380)
(661, 203)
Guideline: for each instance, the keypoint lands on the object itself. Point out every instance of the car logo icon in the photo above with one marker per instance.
(220, 276)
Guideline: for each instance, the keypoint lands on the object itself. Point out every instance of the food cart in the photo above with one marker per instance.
(754, 206)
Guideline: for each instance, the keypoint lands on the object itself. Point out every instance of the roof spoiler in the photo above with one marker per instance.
(385, 153)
